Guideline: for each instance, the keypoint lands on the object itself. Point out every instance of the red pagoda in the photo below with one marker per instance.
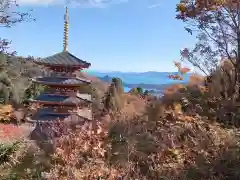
(62, 99)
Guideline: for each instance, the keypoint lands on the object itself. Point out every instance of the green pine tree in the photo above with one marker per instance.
(113, 101)
(117, 82)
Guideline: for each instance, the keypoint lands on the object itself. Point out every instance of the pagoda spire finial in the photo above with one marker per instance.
(65, 38)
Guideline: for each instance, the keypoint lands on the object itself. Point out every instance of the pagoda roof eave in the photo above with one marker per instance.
(57, 85)
(84, 80)
(62, 99)
(64, 59)
(61, 81)
(57, 103)
(50, 116)
(30, 120)
(79, 96)
(63, 65)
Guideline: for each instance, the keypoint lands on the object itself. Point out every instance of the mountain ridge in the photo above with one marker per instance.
(158, 87)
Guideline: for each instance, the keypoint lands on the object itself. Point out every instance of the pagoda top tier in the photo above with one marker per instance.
(64, 59)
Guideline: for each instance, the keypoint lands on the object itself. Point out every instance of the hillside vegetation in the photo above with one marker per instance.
(141, 137)
(191, 133)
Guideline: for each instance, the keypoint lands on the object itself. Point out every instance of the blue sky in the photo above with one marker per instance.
(133, 35)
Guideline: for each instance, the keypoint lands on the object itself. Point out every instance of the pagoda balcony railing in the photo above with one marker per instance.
(63, 74)
(59, 91)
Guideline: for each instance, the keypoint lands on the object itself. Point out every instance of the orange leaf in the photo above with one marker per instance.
(177, 64)
(184, 70)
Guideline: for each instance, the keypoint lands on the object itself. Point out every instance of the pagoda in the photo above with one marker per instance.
(62, 99)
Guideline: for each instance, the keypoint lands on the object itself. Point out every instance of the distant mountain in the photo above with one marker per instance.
(147, 80)
(106, 79)
(150, 77)
(118, 73)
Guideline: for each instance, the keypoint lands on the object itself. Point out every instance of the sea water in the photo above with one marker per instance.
(127, 89)
(137, 78)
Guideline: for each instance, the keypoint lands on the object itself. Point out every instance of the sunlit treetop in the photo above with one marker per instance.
(175, 77)
(226, 64)
(193, 8)
(181, 72)
(177, 64)
(184, 70)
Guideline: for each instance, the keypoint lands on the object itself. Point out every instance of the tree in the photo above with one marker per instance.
(136, 91)
(33, 90)
(113, 101)
(217, 24)
(140, 90)
(9, 16)
(9, 77)
(7, 86)
(133, 91)
(118, 85)
(181, 72)
(146, 93)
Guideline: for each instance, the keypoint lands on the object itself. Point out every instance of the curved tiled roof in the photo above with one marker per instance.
(63, 58)
(61, 80)
(62, 99)
(48, 115)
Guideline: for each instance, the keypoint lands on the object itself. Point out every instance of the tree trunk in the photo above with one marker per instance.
(237, 67)
(237, 97)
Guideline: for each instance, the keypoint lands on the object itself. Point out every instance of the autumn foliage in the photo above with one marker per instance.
(194, 8)
(9, 131)
(82, 155)
(181, 72)
(6, 112)
(179, 136)
(216, 24)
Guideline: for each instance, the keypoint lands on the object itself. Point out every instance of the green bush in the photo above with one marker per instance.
(7, 150)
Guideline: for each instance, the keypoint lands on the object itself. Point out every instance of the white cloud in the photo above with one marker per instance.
(154, 3)
(37, 2)
(153, 6)
(84, 3)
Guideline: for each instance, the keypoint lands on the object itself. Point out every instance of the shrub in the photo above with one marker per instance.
(6, 151)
